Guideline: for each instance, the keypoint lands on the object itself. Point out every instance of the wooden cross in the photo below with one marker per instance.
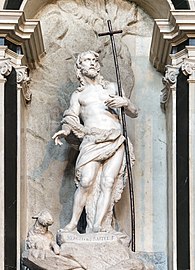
(111, 33)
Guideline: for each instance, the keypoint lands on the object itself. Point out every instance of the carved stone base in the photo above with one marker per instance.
(105, 251)
(97, 251)
(101, 237)
(46, 260)
(94, 251)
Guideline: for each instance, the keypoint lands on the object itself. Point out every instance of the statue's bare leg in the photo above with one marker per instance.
(89, 172)
(110, 171)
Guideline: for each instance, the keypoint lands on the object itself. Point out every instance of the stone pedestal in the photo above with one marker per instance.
(95, 250)
(92, 251)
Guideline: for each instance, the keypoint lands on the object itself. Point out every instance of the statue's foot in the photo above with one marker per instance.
(70, 228)
(56, 249)
(97, 228)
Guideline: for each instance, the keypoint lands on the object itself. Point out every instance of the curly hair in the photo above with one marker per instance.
(80, 76)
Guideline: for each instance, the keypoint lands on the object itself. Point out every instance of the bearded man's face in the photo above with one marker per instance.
(90, 66)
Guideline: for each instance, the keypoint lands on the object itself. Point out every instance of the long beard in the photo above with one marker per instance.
(91, 73)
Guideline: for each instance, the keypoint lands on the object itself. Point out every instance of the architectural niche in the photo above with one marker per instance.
(172, 51)
(156, 9)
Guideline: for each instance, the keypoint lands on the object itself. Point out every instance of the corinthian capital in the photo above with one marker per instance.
(169, 81)
(171, 73)
(188, 66)
(5, 66)
(22, 74)
(23, 80)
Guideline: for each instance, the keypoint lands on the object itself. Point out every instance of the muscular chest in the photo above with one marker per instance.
(94, 94)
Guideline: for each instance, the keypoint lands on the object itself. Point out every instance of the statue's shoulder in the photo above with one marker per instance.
(76, 94)
(112, 86)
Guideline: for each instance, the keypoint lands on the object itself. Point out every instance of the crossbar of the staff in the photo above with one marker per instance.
(110, 33)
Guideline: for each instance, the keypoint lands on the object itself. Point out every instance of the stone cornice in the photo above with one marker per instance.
(24, 32)
(170, 32)
(15, 59)
(177, 58)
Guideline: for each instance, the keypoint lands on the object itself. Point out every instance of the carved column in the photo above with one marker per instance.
(5, 70)
(23, 98)
(168, 104)
(188, 68)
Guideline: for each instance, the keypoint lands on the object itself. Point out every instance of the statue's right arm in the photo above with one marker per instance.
(66, 128)
(74, 103)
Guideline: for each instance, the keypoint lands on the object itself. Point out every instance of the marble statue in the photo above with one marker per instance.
(94, 117)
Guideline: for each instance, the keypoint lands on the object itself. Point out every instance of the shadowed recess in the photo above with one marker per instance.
(12, 4)
(181, 4)
(182, 149)
(10, 171)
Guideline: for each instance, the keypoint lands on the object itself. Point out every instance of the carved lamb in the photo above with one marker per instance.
(39, 237)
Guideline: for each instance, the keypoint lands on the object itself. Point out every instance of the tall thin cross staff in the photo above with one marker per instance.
(129, 171)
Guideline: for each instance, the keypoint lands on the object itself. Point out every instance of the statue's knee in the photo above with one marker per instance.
(86, 182)
(107, 182)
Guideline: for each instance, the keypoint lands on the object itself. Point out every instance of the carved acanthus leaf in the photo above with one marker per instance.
(188, 67)
(24, 80)
(169, 81)
(5, 66)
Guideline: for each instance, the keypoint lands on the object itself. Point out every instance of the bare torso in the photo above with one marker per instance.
(93, 111)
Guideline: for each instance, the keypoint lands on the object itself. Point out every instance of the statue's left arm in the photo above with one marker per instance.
(130, 108)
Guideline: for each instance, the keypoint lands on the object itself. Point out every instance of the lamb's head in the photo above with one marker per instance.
(44, 218)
